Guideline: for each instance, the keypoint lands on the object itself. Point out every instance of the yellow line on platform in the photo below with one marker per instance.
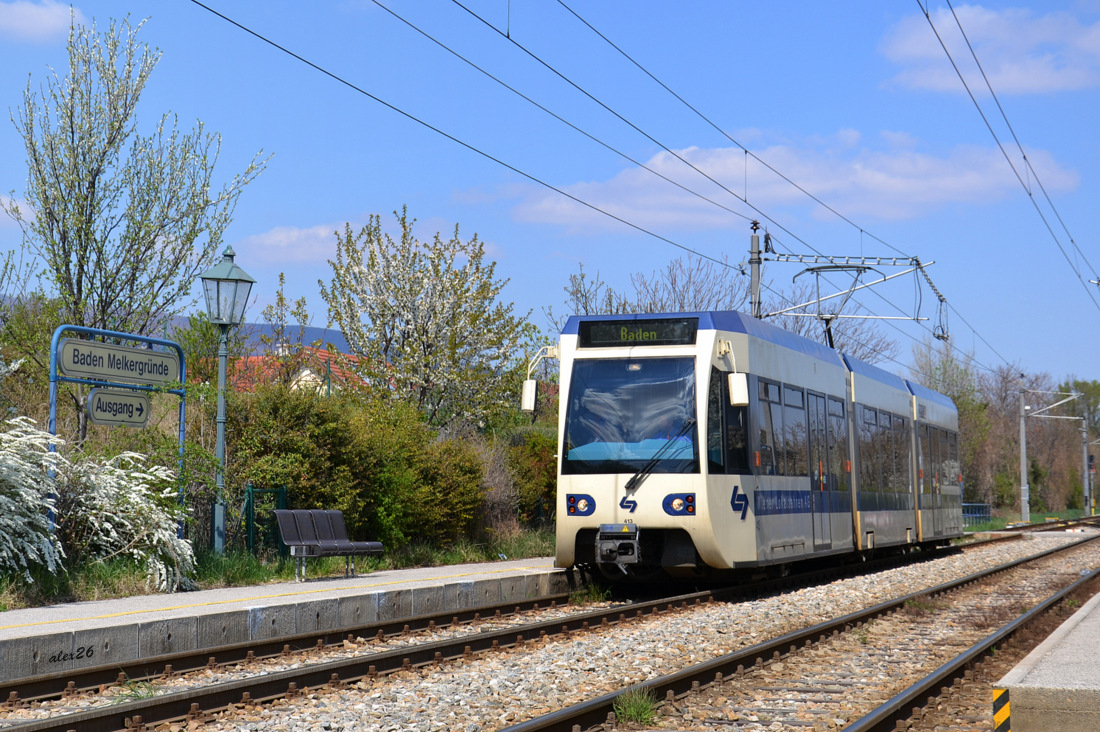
(259, 597)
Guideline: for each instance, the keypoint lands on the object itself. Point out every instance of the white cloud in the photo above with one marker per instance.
(893, 181)
(289, 245)
(36, 21)
(1021, 53)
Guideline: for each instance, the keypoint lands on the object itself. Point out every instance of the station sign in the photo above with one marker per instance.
(118, 407)
(108, 362)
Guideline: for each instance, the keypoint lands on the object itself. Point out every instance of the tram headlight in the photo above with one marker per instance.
(679, 504)
(580, 504)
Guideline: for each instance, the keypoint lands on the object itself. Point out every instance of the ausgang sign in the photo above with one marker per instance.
(107, 362)
(126, 408)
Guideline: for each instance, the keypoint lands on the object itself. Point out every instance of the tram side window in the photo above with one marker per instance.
(795, 438)
(939, 455)
(867, 460)
(838, 444)
(884, 452)
(925, 474)
(737, 440)
(715, 461)
(952, 469)
(902, 444)
(769, 459)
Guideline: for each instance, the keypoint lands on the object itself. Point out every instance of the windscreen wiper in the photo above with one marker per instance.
(645, 470)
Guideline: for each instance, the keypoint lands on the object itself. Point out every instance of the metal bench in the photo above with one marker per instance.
(320, 533)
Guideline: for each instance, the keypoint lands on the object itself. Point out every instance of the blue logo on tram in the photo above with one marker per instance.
(628, 503)
(739, 502)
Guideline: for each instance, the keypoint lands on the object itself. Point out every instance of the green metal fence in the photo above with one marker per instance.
(260, 525)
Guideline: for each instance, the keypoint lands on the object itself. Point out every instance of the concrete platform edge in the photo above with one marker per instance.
(46, 649)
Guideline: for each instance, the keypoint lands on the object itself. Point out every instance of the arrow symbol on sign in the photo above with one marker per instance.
(140, 409)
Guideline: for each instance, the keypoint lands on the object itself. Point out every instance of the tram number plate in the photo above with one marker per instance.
(618, 529)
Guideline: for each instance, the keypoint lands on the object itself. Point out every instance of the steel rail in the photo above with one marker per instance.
(198, 701)
(898, 708)
(1057, 525)
(90, 678)
(258, 689)
(596, 711)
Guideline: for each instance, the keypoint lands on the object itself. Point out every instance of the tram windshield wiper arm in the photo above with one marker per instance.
(645, 470)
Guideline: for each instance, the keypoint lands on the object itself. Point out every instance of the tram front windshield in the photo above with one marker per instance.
(628, 414)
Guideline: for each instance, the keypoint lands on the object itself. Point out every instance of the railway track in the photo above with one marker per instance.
(65, 685)
(1056, 524)
(867, 671)
(361, 667)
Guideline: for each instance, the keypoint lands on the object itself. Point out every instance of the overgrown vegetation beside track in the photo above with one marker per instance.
(125, 577)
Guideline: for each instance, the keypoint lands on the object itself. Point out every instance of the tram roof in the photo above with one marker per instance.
(865, 369)
(725, 320)
(924, 392)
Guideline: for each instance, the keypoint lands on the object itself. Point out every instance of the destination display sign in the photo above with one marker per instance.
(118, 408)
(108, 362)
(624, 333)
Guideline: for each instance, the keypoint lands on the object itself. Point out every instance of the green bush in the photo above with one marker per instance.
(534, 467)
(374, 460)
(451, 494)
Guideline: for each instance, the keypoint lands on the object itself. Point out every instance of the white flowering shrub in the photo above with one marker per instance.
(124, 508)
(25, 463)
(100, 509)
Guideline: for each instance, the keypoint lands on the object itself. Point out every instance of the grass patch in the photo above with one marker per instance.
(590, 593)
(107, 579)
(133, 691)
(636, 706)
(523, 545)
(921, 606)
(994, 524)
(98, 580)
(238, 568)
(997, 523)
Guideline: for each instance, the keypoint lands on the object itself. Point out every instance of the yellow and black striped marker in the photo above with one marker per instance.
(1002, 713)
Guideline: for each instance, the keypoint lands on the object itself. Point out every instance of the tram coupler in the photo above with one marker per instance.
(617, 544)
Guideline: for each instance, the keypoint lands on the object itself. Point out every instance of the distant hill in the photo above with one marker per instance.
(256, 330)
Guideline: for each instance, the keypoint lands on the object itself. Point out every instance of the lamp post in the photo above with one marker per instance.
(226, 287)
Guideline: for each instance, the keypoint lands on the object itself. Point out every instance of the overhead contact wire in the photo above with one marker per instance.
(781, 175)
(624, 120)
(1030, 194)
(559, 118)
(725, 134)
(452, 138)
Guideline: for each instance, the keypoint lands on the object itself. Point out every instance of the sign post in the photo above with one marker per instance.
(109, 363)
(118, 408)
(134, 373)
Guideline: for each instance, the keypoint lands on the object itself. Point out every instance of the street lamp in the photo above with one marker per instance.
(226, 287)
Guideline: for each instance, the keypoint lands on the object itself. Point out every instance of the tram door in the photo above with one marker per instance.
(820, 488)
(930, 478)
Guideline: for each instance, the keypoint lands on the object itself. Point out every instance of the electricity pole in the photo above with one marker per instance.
(754, 272)
(1025, 508)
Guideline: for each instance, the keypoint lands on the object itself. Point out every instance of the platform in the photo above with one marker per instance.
(55, 638)
(1057, 686)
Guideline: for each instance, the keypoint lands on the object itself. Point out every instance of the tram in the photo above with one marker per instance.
(698, 444)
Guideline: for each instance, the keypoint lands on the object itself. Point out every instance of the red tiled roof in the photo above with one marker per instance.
(310, 366)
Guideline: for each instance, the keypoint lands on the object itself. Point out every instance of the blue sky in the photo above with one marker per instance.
(856, 102)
